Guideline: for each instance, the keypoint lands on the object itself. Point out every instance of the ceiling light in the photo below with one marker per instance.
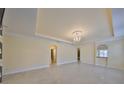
(77, 36)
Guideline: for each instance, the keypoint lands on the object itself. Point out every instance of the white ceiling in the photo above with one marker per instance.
(118, 21)
(60, 23)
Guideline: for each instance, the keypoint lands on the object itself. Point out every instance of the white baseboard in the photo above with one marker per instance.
(66, 62)
(26, 69)
(36, 67)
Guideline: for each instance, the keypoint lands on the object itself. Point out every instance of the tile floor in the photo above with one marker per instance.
(73, 73)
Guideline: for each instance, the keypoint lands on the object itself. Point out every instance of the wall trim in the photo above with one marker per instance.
(25, 69)
(87, 63)
(66, 62)
(46, 66)
(39, 36)
(102, 40)
(101, 66)
(35, 68)
(53, 38)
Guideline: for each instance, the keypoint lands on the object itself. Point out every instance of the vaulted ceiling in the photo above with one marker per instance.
(118, 21)
(59, 23)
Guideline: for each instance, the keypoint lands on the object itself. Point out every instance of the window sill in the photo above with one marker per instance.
(101, 57)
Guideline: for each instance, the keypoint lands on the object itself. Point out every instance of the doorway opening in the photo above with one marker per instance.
(78, 54)
(53, 53)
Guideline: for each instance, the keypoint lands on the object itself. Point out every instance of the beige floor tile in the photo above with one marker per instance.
(68, 74)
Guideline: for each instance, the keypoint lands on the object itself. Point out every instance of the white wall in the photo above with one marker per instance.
(20, 20)
(23, 49)
(116, 54)
(115, 49)
(87, 53)
(22, 52)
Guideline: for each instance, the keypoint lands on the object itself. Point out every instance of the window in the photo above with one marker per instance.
(102, 51)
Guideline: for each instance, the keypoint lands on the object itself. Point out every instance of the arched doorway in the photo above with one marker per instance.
(78, 54)
(53, 54)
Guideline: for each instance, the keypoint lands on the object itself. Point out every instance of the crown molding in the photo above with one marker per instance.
(53, 38)
(47, 36)
(103, 40)
(111, 39)
(40, 36)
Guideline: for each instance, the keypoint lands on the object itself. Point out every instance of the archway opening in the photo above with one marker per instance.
(78, 54)
(53, 53)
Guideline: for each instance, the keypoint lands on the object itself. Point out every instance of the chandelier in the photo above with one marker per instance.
(77, 36)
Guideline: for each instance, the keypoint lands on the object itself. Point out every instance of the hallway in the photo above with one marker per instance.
(68, 74)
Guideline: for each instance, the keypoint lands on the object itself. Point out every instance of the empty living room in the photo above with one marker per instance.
(62, 46)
